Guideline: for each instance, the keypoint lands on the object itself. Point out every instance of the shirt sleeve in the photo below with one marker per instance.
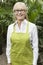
(8, 46)
(35, 44)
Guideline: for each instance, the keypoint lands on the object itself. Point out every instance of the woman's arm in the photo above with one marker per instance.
(35, 44)
(8, 46)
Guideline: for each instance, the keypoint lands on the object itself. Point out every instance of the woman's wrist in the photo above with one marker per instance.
(9, 64)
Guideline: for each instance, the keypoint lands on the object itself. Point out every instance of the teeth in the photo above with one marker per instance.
(19, 15)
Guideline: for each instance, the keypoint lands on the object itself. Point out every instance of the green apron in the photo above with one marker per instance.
(21, 50)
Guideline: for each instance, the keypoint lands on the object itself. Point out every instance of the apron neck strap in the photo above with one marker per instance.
(27, 27)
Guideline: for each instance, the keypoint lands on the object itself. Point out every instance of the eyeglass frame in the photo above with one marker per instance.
(21, 10)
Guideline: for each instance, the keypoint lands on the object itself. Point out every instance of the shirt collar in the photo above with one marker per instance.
(23, 22)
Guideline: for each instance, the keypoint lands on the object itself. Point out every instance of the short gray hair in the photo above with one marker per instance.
(19, 5)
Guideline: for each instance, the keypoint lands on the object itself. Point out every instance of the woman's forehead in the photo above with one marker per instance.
(19, 5)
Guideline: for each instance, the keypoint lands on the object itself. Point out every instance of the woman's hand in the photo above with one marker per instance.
(9, 64)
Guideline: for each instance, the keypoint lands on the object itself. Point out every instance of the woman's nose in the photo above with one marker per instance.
(19, 12)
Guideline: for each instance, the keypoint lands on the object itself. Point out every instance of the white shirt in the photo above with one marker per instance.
(33, 38)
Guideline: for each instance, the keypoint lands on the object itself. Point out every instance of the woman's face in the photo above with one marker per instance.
(20, 14)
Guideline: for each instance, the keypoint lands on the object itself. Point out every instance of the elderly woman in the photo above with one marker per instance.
(22, 39)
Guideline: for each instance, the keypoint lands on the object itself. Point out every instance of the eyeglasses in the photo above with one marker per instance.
(19, 10)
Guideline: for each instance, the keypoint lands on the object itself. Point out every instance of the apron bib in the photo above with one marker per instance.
(21, 50)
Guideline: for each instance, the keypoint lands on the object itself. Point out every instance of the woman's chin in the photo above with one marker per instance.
(20, 19)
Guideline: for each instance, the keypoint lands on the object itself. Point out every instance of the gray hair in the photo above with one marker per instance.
(19, 5)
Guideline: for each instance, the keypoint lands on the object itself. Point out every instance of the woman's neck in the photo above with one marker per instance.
(19, 23)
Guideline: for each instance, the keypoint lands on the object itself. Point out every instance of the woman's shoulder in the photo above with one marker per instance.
(32, 25)
(10, 27)
(13, 24)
